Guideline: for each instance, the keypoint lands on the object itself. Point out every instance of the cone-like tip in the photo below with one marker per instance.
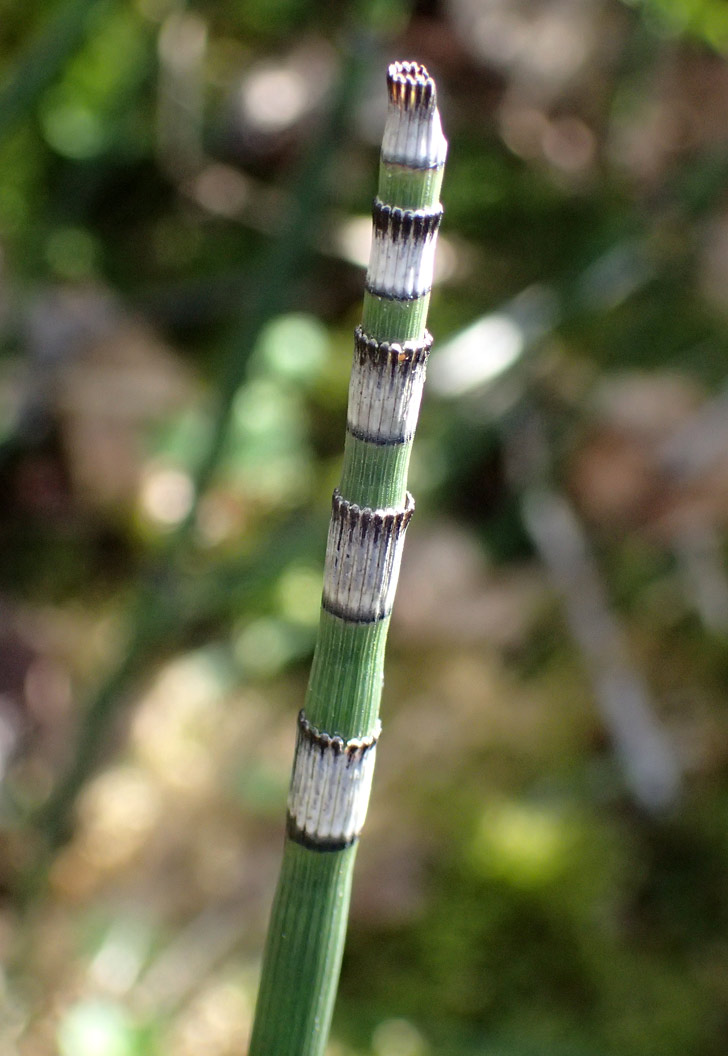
(410, 86)
(413, 133)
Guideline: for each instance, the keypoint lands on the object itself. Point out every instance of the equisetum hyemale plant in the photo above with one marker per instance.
(339, 726)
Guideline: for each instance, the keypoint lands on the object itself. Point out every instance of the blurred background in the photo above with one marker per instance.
(185, 196)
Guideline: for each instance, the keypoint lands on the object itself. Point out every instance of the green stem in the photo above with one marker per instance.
(339, 726)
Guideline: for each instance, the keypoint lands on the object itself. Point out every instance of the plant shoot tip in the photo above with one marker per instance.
(410, 86)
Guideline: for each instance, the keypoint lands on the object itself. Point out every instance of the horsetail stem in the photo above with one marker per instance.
(339, 726)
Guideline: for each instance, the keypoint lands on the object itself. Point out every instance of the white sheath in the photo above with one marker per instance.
(412, 133)
(402, 258)
(363, 555)
(330, 786)
(385, 390)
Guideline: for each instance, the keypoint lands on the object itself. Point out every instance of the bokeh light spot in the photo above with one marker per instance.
(166, 495)
(90, 1028)
(398, 1037)
(527, 845)
(273, 98)
(294, 347)
(299, 594)
(73, 130)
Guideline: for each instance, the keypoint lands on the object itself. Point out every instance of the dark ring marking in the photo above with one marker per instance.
(350, 617)
(403, 297)
(416, 225)
(311, 843)
(380, 441)
(410, 166)
(385, 522)
(355, 746)
(394, 355)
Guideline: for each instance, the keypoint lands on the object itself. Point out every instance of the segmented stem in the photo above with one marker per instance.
(339, 726)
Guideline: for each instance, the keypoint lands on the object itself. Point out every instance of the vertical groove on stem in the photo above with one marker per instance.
(339, 726)
(305, 945)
